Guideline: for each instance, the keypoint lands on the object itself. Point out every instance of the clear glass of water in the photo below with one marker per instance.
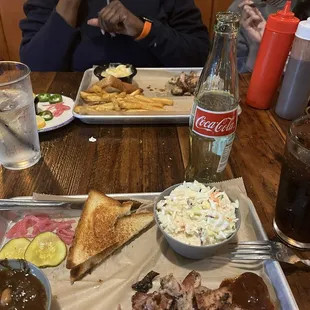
(19, 139)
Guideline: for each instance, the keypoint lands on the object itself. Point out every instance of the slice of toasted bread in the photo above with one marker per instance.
(95, 231)
(129, 88)
(126, 228)
(108, 81)
(112, 84)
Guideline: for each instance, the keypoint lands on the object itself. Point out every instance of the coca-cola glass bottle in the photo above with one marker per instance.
(213, 119)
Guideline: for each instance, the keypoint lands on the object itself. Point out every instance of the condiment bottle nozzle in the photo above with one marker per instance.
(287, 7)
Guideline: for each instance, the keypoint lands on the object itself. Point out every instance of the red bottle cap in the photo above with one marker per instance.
(283, 21)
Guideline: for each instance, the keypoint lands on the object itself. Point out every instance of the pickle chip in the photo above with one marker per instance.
(15, 249)
(46, 250)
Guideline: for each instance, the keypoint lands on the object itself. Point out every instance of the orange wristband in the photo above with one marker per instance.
(145, 31)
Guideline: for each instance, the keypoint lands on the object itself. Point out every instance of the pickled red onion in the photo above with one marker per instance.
(57, 109)
(39, 224)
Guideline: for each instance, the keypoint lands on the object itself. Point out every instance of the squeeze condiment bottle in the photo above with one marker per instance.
(295, 90)
(271, 58)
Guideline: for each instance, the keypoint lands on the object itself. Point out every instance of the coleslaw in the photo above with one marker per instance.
(198, 215)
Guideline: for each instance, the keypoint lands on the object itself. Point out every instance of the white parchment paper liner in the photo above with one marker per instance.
(110, 283)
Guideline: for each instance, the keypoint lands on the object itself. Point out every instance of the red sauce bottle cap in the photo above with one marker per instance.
(283, 21)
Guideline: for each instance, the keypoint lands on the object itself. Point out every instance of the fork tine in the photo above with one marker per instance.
(251, 252)
(251, 243)
(254, 257)
(249, 247)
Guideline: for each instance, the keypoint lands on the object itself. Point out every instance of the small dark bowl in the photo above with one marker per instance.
(127, 79)
(21, 264)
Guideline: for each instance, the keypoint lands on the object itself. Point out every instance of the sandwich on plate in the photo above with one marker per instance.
(104, 226)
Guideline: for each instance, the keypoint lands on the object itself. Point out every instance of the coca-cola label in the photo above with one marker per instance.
(215, 124)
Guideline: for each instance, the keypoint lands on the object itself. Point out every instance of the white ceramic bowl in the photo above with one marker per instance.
(186, 250)
(37, 272)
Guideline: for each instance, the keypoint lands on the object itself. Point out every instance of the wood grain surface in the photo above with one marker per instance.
(4, 54)
(127, 159)
(11, 13)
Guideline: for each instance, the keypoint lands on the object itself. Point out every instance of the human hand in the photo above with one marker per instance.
(252, 21)
(115, 18)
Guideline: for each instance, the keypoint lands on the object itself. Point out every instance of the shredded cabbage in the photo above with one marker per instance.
(196, 214)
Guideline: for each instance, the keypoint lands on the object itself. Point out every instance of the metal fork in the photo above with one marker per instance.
(261, 4)
(263, 250)
(276, 2)
(258, 4)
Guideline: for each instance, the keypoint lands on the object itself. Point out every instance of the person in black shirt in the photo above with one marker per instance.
(70, 34)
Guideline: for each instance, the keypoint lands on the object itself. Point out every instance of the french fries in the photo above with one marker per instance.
(98, 98)
(96, 89)
(136, 92)
(162, 101)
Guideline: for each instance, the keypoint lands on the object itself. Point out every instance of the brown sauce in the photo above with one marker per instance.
(19, 289)
(250, 292)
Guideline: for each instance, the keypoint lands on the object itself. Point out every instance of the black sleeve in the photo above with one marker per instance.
(184, 41)
(47, 38)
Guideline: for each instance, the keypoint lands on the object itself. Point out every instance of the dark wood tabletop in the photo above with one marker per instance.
(150, 158)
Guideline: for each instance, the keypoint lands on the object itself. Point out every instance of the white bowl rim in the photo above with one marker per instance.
(170, 189)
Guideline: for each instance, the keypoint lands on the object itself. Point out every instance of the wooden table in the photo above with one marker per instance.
(127, 159)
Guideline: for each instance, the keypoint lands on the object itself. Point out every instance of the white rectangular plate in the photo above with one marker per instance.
(154, 82)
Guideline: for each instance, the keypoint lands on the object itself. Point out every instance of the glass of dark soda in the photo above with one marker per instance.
(292, 217)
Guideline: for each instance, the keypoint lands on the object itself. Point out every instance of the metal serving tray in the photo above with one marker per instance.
(271, 269)
(151, 80)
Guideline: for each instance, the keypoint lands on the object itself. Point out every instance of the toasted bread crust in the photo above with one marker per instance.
(126, 229)
(112, 84)
(96, 228)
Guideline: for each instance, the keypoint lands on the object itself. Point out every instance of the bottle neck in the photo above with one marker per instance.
(224, 50)
(221, 72)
